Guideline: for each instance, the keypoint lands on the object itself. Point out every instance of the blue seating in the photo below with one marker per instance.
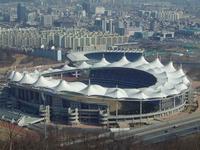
(122, 77)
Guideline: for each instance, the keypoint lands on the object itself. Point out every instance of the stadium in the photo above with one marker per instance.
(102, 93)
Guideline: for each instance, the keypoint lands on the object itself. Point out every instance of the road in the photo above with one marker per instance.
(170, 132)
(164, 131)
(151, 134)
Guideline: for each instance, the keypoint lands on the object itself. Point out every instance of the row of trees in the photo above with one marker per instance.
(17, 139)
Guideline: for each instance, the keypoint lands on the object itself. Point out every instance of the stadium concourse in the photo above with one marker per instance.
(103, 92)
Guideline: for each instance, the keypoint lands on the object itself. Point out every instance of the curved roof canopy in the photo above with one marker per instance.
(186, 80)
(84, 65)
(132, 91)
(169, 67)
(45, 83)
(11, 74)
(93, 90)
(139, 95)
(102, 63)
(62, 86)
(120, 63)
(170, 91)
(28, 79)
(16, 77)
(77, 86)
(35, 73)
(158, 94)
(116, 93)
(141, 61)
(66, 67)
(156, 63)
(169, 80)
(181, 87)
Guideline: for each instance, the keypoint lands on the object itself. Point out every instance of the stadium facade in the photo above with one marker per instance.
(105, 93)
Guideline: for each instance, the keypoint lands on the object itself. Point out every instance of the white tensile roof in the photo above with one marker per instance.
(65, 86)
(176, 80)
(11, 74)
(91, 90)
(16, 77)
(149, 91)
(167, 86)
(157, 94)
(54, 82)
(102, 63)
(144, 67)
(170, 91)
(159, 70)
(84, 65)
(156, 63)
(77, 86)
(186, 80)
(28, 79)
(50, 70)
(162, 75)
(120, 63)
(139, 95)
(36, 71)
(153, 92)
(56, 70)
(178, 73)
(66, 67)
(62, 86)
(41, 82)
(181, 87)
(141, 61)
(169, 67)
(132, 91)
(77, 56)
(181, 72)
(45, 83)
(169, 80)
(116, 93)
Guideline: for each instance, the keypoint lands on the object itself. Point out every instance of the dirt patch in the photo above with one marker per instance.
(6, 58)
(35, 61)
(6, 129)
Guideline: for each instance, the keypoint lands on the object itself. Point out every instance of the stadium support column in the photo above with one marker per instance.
(17, 92)
(182, 98)
(73, 116)
(174, 105)
(117, 108)
(140, 110)
(76, 74)
(174, 102)
(160, 105)
(29, 95)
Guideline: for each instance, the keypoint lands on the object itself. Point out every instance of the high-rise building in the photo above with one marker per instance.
(170, 15)
(73, 39)
(99, 10)
(21, 13)
(86, 6)
(47, 20)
